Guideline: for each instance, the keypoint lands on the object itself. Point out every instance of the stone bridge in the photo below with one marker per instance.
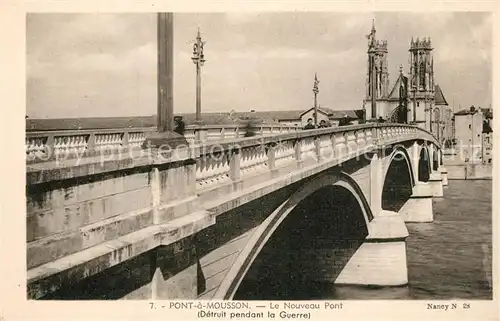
(222, 220)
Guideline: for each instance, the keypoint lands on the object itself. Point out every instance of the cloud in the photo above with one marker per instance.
(237, 18)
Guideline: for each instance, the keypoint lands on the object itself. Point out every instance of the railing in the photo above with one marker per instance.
(46, 145)
(236, 159)
(239, 159)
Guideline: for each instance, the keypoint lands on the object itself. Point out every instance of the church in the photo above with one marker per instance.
(414, 99)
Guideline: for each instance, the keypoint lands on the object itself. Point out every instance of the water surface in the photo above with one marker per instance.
(450, 257)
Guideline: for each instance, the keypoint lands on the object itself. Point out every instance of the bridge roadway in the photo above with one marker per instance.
(216, 220)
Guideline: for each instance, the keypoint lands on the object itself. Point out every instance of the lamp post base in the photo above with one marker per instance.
(164, 141)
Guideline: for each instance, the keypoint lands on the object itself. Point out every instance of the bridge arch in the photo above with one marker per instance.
(400, 154)
(435, 159)
(338, 182)
(424, 164)
(398, 180)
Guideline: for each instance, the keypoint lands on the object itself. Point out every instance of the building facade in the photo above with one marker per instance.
(473, 135)
(487, 147)
(415, 98)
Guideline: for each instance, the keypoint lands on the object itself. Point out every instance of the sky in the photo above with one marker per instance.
(104, 65)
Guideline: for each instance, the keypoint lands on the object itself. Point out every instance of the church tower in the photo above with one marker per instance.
(377, 81)
(421, 77)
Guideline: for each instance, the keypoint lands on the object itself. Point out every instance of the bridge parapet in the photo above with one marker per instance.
(84, 216)
(239, 159)
(43, 146)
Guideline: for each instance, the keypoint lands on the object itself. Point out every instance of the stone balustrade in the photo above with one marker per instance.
(41, 146)
(240, 159)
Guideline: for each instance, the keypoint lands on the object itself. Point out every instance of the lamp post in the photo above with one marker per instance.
(164, 136)
(165, 40)
(315, 91)
(199, 60)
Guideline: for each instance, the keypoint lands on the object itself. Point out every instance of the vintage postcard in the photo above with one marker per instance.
(203, 163)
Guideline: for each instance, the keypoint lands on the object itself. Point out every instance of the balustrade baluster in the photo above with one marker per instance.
(225, 167)
(361, 140)
(339, 147)
(28, 146)
(244, 160)
(351, 142)
(76, 145)
(317, 148)
(33, 149)
(200, 173)
(62, 145)
(209, 169)
(333, 141)
(251, 159)
(103, 141)
(212, 169)
(264, 160)
(82, 144)
(57, 144)
(235, 165)
(71, 145)
(114, 141)
(368, 138)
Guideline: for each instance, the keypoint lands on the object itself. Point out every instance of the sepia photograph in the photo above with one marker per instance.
(247, 156)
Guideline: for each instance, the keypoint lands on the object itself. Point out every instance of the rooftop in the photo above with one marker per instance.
(439, 97)
(487, 112)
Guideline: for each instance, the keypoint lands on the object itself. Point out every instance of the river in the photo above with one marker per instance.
(450, 257)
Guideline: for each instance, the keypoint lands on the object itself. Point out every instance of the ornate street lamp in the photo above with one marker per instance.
(199, 60)
(315, 91)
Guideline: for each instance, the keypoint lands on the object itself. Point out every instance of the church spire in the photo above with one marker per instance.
(371, 36)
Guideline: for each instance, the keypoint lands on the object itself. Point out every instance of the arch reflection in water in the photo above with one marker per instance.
(308, 250)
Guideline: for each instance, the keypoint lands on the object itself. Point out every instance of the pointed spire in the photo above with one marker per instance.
(371, 36)
(401, 69)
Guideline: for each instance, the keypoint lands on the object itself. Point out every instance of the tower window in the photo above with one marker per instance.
(422, 74)
(470, 126)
